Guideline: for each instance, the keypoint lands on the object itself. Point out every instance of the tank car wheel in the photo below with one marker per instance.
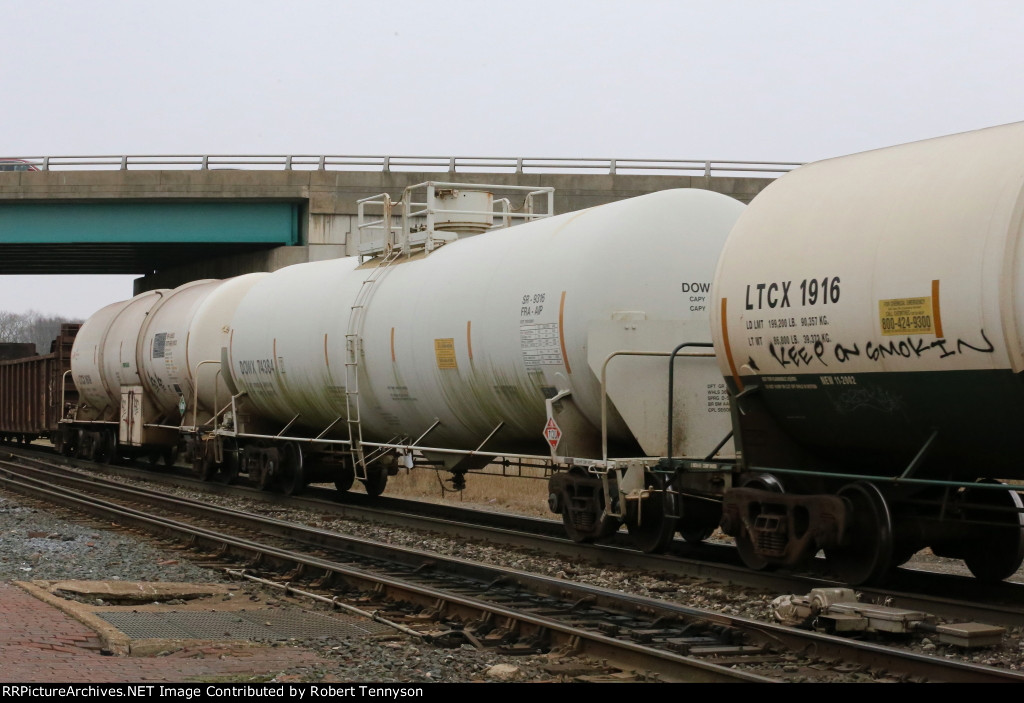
(700, 519)
(867, 555)
(583, 510)
(170, 456)
(293, 476)
(1004, 546)
(229, 468)
(649, 523)
(106, 447)
(749, 555)
(765, 482)
(228, 472)
(345, 477)
(71, 443)
(86, 445)
(68, 443)
(376, 480)
(608, 527)
(696, 535)
(744, 543)
(268, 466)
(204, 465)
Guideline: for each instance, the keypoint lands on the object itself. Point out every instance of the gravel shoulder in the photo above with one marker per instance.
(36, 544)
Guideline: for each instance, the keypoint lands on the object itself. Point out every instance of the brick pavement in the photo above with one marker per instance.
(41, 644)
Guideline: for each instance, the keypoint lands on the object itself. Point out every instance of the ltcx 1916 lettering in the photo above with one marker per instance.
(811, 291)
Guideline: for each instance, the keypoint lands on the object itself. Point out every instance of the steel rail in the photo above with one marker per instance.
(874, 655)
(669, 666)
(708, 561)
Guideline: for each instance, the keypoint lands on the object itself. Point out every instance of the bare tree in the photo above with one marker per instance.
(43, 329)
(31, 327)
(12, 326)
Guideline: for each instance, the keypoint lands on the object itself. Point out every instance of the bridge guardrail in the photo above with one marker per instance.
(444, 164)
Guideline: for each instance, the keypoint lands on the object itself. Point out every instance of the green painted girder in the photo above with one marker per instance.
(144, 223)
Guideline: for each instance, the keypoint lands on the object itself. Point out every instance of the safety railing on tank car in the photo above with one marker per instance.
(674, 354)
(383, 163)
(423, 203)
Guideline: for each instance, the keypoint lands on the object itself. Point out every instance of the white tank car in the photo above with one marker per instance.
(208, 333)
(878, 297)
(868, 312)
(147, 365)
(104, 358)
(546, 341)
(481, 331)
(163, 348)
(157, 340)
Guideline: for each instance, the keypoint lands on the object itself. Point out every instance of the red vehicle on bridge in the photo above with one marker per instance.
(16, 165)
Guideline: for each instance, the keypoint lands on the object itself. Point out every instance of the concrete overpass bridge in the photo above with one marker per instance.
(173, 219)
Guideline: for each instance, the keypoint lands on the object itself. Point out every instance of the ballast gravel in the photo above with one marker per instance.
(35, 544)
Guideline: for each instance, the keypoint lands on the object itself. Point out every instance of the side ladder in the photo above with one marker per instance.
(353, 350)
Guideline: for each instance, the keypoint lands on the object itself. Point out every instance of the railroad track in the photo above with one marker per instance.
(455, 601)
(911, 589)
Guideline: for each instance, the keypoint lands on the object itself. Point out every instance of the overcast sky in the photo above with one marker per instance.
(725, 80)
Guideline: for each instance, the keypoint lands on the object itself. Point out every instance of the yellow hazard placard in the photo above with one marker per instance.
(444, 352)
(906, 316)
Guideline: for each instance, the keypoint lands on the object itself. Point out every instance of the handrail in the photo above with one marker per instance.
(671, 386)
(604, 386)
(449, 164)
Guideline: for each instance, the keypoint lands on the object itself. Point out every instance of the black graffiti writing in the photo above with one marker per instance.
(844, 353)
(915, 348)
(798, 355)
(867, 398)
(987, 349)
(908, 348)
